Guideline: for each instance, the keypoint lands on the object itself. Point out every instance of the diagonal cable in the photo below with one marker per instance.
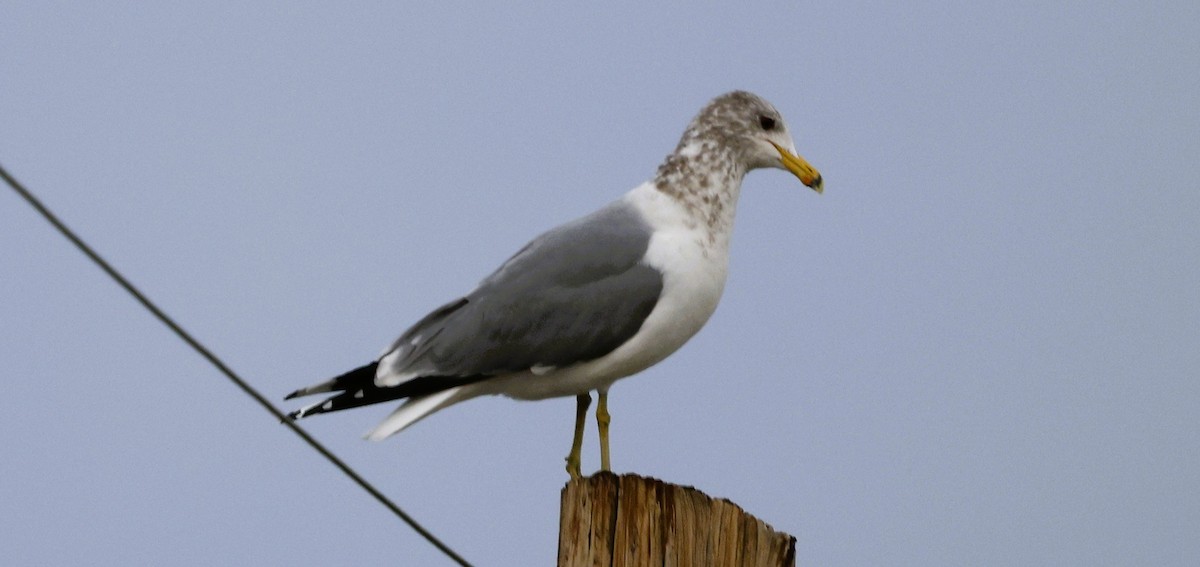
(220, 365)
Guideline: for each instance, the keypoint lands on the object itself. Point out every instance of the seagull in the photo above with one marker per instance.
(592, 301)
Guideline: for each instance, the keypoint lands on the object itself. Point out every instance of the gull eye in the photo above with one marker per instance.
(766, 122)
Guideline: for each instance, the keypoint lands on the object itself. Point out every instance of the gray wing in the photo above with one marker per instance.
(571, 295)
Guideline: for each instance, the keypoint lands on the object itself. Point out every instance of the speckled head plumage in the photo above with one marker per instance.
(733, 134)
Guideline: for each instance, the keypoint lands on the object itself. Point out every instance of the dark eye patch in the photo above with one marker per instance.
(766, 122)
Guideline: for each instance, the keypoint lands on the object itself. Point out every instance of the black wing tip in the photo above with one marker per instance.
(295, 394)
(357, 388)
(306, 411)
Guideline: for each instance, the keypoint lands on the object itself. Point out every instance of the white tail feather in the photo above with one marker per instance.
(412, 411)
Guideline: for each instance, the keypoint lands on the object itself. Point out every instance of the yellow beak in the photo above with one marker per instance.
(800, 168)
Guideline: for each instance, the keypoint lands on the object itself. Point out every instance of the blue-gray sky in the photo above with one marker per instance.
(978, 347)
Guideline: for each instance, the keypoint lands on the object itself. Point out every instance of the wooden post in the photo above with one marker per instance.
(633, 521)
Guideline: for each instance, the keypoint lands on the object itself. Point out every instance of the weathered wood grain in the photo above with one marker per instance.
(633, 521)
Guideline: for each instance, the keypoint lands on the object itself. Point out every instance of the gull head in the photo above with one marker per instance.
(753, 131)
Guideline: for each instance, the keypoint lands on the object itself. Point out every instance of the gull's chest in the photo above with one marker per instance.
(693, 258)
(693, 279)
(694, 271)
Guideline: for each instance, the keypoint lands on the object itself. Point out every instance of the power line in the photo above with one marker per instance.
(220, 365)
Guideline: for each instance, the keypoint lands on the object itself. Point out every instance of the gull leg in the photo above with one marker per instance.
(582, 401)
(602, 421)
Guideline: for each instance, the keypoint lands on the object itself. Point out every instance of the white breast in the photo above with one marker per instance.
(694, 269)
